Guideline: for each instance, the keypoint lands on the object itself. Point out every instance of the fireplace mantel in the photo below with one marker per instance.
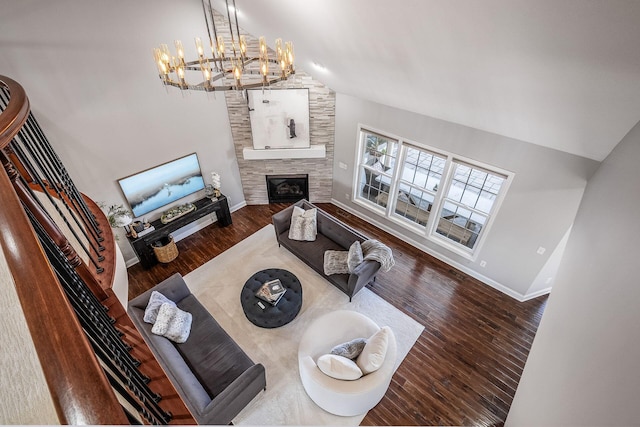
(317, 151)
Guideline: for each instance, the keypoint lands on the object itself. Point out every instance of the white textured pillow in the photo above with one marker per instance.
(155, 301)
(355, 256)
(172, 323)
(304, 224)
(373, 353)
(335, 262)
(339, 367)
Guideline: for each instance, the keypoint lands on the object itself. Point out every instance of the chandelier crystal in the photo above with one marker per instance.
(222, 65)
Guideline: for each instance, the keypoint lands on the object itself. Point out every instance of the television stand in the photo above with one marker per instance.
(142, 245)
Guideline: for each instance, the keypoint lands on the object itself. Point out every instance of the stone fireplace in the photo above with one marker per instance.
(287, 188)
(319, 169)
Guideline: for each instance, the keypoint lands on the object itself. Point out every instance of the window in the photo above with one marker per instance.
(376, 166)
(449, 199)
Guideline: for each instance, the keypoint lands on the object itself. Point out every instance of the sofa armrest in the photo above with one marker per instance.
(174, 288)
(282, 220)
(226, 405)
(362, 274)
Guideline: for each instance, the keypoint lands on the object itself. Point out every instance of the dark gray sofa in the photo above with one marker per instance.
(332, 235)
(211, 373)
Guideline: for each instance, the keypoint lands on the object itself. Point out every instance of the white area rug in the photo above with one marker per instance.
(217, 285)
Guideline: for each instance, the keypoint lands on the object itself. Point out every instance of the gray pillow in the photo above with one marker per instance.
(335, 262)
(155, 301)
(172, 323)
(350, 349)
(304, 225)
(355, 256)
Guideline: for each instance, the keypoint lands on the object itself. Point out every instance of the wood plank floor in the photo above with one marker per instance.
(464, 368)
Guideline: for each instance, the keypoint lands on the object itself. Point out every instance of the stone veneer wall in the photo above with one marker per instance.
(322, 108)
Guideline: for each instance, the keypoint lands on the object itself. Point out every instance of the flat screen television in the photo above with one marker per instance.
(163, 184)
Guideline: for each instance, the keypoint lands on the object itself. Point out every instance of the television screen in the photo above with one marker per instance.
(157, 187)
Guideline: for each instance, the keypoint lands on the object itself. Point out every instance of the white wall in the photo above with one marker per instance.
(583, 365)
(88, 70)
(539, 207)
(24, 395)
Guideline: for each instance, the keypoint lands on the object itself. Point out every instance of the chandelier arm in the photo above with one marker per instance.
(206, 21)
(215, 32)
(233, 42)
(235, 15)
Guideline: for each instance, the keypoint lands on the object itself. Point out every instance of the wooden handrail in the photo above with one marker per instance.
(78, 386)
(16, 113)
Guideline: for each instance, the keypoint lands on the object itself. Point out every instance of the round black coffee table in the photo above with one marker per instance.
(271, 316)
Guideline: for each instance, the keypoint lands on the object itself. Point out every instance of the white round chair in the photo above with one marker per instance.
(340, 397)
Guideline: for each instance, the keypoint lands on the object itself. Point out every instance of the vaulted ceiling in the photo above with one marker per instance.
(563, 74)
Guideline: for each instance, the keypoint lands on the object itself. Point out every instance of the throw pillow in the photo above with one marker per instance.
(155, 301)
(377, 166)
(339, 367)
(355, 257)
(335, 262)
(350, 349)
(172, 323)
(304, 225)
(373, 353)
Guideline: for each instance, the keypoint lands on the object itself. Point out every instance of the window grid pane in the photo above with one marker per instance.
(421, 175)
(378, 158)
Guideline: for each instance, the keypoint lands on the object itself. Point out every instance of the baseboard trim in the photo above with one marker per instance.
(484, 279)
(536, 294)
(189, 229)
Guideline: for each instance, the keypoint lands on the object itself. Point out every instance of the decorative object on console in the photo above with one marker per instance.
(176, 212)
(210, 192)
(215, 183)
(224, 69)
(118, 215)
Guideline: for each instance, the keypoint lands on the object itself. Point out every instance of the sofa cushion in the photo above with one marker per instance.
(335, 262)
(350, 349)
(355, 256)
(218, 363)
(304, 225)
(155, 301)
(374, 352)
(339, 367)
(172, 323)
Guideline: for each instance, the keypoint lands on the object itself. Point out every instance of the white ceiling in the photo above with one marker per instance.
(559, 73)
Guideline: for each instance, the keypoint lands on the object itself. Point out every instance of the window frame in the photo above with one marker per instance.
(429, 230)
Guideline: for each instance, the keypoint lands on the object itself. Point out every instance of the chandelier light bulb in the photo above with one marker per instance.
(263, 48)
(199, 47)
(179, 49)
(243, 46)
(279, 50)
(221, 46)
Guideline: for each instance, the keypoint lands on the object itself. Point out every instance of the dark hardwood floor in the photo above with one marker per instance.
(464, 368)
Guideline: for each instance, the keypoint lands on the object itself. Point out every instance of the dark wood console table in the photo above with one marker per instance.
(142, 245)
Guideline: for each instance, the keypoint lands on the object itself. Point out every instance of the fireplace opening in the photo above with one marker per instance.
(287, 188)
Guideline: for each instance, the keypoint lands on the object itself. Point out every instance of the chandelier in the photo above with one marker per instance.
(221, 66)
